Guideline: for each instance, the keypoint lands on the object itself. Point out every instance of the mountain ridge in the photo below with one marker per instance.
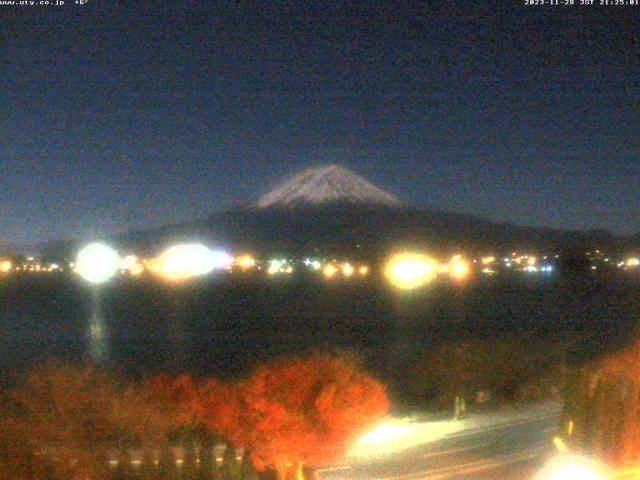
(338, 227)
(333, 209)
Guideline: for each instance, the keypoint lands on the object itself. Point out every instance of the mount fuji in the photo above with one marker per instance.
(326, 184)
(332, 210)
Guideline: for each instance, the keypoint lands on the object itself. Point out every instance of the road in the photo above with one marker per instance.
(510, 444)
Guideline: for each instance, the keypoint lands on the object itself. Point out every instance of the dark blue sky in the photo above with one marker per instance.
(121, 115)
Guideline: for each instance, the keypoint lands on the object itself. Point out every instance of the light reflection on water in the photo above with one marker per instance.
(226, 328)
(98, 341)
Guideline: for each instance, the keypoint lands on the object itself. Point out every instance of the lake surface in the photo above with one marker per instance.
(224, 326)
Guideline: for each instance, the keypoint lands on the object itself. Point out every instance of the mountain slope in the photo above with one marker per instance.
(362, 230)
(352, 229)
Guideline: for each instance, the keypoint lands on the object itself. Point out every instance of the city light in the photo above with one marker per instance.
(459, 268)
(632, 262)
(185, 261)
(411, 270)
(279, 266)
(136, 270)
(312, 264)
(97, 263)
(329, 271)
(347, 269)
(128, 262)
(406, 271)
(246, 262)
(132, 265)
(275, 266)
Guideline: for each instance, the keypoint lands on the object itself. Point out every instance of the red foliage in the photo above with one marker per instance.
(296, 410)
(219, 405)
(624, 364)
(181, 393)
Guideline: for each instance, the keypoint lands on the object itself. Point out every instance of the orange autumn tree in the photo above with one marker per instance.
(601, 415)
(296, 412)
(69, 418)
(180, 396)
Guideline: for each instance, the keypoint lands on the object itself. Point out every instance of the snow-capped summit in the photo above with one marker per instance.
(326, 184)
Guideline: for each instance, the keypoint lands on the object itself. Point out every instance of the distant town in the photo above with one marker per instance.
(408, 269)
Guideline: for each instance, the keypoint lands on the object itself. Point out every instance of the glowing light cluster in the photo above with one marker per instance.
(132, 265)
(279, 266)
(329, 270)
(347, 269)
(97, 263)
(312, 264)
(632, 262)
(185, 261)
(245, 262)
(405, 271)
(275, 266)
(459, 268)
(5, 266)
(136, 270)
(411, 270)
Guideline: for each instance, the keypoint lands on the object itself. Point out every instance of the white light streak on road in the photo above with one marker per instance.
(505, 444)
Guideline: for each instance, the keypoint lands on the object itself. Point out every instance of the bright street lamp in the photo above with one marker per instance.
(97, 263)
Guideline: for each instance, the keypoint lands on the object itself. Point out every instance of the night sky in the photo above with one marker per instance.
(118, 115)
